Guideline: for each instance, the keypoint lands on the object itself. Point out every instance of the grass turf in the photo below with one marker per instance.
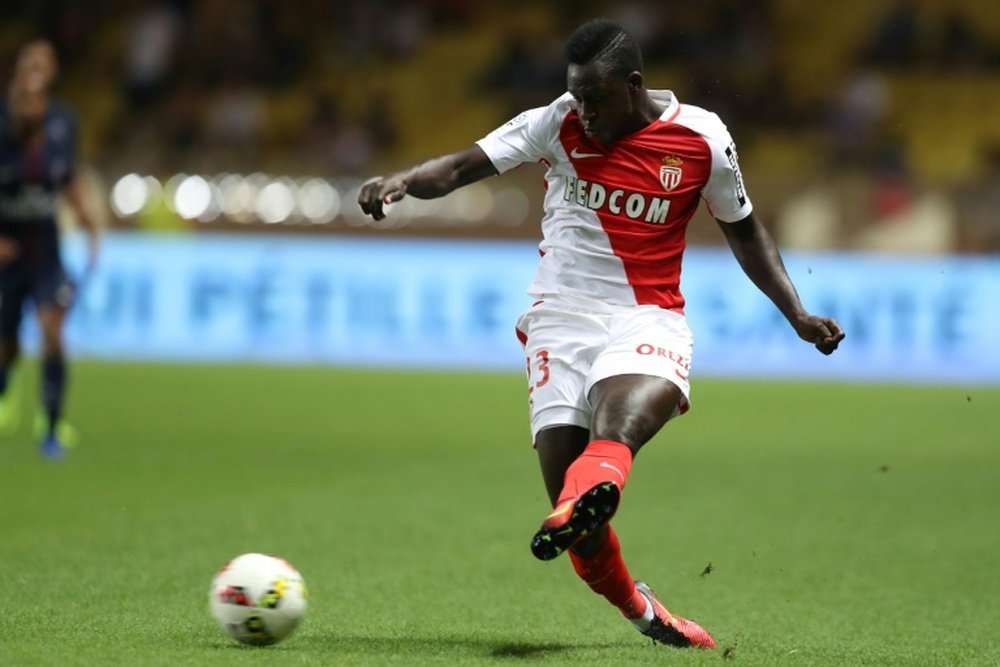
(844, 525)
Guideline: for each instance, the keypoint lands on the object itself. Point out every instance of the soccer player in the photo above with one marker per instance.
(607, 344)
(37, 166)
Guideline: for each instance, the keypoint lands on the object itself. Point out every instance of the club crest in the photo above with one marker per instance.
(670, 172)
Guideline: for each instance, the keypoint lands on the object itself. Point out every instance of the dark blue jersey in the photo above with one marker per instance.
(31, 177)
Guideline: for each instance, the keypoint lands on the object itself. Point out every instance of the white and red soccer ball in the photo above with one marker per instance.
(258, 599)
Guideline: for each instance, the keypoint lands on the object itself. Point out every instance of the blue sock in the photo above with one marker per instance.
(53, 388)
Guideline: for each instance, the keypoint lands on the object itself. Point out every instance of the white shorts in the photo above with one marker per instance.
(572, 345)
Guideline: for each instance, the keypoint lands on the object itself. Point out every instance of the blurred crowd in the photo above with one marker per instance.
(344, 88)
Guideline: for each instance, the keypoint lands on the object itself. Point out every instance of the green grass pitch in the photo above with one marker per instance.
(844, 525)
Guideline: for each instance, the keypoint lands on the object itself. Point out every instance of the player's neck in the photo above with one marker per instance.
(650, 109)
(647, 111)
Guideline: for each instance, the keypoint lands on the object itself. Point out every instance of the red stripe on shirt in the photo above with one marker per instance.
(650, 252)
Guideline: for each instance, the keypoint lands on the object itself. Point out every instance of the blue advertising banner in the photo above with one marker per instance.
(906, 319)
(453, 304)
(316, 300)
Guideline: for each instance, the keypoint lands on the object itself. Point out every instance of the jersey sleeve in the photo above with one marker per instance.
(62, 134)
(725, 193)
(73, 143)
(524, 138)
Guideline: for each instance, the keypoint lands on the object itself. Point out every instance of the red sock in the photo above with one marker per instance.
(601, 461)
(606, 574)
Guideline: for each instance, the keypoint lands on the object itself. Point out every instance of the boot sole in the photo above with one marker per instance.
(591, 511)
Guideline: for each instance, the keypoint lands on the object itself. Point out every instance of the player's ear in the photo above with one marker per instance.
(634, 81)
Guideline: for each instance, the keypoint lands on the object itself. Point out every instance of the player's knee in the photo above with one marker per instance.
(52, 346)
(634, 430)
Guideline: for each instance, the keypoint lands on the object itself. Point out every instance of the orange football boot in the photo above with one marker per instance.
(667, 628)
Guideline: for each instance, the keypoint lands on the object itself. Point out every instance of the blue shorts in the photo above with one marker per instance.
(44, 285)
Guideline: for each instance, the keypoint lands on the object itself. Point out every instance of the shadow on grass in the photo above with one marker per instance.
(526, 649)
(446, 645)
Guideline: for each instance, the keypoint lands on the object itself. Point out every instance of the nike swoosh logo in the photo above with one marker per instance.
(562, 509)
(578, 155)
(605, 464)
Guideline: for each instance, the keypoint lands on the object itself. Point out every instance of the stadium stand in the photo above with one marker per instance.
(850, 96)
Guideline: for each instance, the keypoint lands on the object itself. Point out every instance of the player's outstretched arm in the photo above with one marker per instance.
(758, 255)
(73, 191)
(431, 179)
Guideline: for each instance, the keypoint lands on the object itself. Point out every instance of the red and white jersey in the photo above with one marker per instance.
(615, 218)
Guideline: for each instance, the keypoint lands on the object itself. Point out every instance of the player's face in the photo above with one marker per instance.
(37, 63)
(27, 107)
(605, 101)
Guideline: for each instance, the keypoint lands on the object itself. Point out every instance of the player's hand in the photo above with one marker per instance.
(9, 250)
(822, 332)
(378, 192)
(93, 252)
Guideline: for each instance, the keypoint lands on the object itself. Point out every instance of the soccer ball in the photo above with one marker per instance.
(258, 599)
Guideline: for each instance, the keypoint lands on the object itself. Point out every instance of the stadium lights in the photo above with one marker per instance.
(129, 195)
(275, 202)
(319, 201)
(472, 204)
(511, 207)
(236, 197)
(193, 197)
(280, 200)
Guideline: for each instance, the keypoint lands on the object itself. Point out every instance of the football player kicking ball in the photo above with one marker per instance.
(607, 344)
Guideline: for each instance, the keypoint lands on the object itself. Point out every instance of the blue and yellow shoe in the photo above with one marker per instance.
(66, 435)
(52, 449)
(575, 519)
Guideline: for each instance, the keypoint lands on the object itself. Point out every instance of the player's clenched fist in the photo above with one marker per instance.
(378, 192)
(822, 332)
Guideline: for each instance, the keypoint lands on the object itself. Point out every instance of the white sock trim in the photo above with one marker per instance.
(643, 622)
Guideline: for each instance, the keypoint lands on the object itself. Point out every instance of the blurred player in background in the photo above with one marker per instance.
(607, 344)
(37, 166)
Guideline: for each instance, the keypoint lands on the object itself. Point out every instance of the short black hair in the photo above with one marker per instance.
(607, 42)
